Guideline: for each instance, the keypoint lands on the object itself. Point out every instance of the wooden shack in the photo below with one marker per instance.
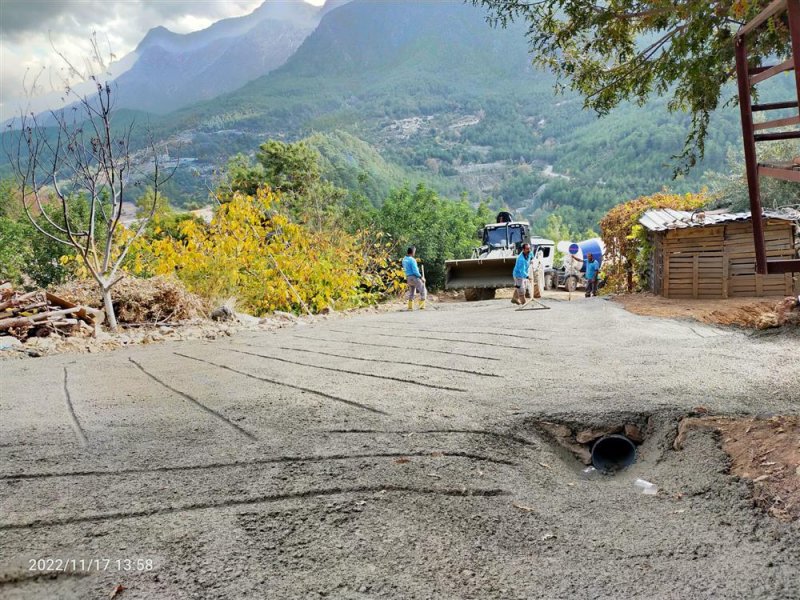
(712, 254)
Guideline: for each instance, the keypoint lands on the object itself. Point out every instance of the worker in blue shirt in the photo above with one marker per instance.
(416, 283)
(592, 267)
(521, 275)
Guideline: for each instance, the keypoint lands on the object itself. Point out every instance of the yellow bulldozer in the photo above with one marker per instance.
(491, 265)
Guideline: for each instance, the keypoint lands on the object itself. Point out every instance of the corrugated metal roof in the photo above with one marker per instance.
(664, 218)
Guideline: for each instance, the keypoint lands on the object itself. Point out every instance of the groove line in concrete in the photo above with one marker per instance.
(428, 338)
(506, 436)
(348, 372)
(195, 402)
(76, 424)
(255, 462)
(495, 333)
(318, 339)
(229, 503)
(289, 385)
(380, 360)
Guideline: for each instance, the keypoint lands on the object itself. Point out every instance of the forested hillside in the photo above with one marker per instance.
(394, 92)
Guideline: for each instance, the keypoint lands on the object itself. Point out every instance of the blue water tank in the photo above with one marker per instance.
(581, 249)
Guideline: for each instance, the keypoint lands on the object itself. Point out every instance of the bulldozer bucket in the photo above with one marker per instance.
(479, 273)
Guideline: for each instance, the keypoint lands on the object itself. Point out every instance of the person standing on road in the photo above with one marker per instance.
(521, 275)
(592, 274)
(414, 279)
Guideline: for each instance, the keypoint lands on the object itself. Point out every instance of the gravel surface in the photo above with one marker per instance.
(392, 456)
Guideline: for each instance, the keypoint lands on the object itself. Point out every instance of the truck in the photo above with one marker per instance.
(491, 265)
(571, 275)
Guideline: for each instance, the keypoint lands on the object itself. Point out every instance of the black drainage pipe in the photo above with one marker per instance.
(613, 453)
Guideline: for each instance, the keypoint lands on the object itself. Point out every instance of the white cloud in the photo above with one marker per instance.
(31, 29)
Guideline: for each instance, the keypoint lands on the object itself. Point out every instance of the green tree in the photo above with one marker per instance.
(9, 201)
(151, 201)
(241, 175)
(629, 50)
(289, 167)
(294, 171)
(15, 249)
(26, 257)
(441, 229)
(729, 190)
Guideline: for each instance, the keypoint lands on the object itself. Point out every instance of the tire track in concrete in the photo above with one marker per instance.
(352, 403)
(196, 402)
(76, 424)
(430, 338)
(230, 503)
(348, 372)
(317, 339)
(255, 462)
(505, 436)
(380, 360)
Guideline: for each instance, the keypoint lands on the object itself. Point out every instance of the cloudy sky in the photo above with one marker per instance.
(30, 28)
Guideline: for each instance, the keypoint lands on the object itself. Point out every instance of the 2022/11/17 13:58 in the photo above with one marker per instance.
(86, 565)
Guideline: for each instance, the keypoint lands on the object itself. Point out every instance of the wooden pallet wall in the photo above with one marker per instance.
(719, 261)
(740, 250)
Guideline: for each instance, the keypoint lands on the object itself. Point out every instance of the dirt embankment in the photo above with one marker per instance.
(764, 451)
(754, 313)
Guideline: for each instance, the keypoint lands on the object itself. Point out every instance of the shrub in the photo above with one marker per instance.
(252, 251)
(628, 249)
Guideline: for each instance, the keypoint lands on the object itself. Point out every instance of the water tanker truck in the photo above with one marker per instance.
(571, 275)
(491, 265)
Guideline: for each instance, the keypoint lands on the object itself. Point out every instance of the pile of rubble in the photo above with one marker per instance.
(787, 312)
(41, 314)
(137, 302)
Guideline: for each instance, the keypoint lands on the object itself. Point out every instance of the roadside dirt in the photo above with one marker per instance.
(754, 313)
(764, 451)
(130, 335)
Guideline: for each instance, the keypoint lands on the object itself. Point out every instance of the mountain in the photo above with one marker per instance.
(415, 91)
(173, 70)
(439, 93)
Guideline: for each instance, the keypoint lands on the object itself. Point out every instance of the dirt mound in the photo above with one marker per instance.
(156, 300)
(753, 313)
(764, 451)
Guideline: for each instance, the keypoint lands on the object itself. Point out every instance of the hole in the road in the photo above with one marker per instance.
(609, 446)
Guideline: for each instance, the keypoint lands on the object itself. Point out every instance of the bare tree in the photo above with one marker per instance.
(74, 155)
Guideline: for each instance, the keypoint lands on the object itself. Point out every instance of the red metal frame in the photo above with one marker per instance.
(747, 77)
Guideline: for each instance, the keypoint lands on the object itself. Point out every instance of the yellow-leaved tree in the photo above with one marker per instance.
(628, 248)
(253, 252)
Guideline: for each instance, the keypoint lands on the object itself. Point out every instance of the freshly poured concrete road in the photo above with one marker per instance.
(392, 456)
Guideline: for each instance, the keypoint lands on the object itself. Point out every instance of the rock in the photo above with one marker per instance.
(583, 453)
(286, 315)
(246, 319)
(223, 313)
(557, 430)
(591, 434)
(633, 433)
(45, 344)
(8, 342)
(768, 321)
